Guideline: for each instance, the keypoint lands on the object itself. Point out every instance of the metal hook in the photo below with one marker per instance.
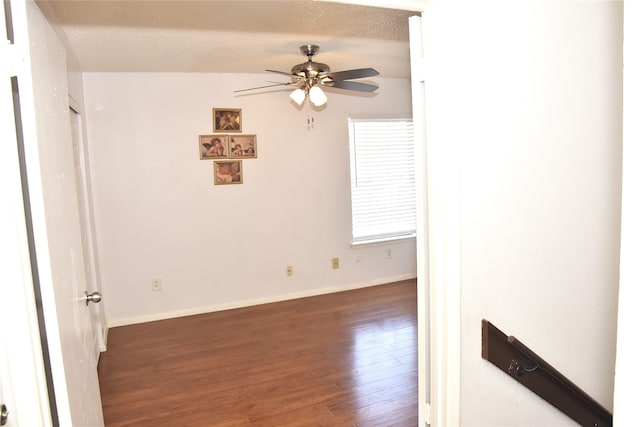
(519, 369)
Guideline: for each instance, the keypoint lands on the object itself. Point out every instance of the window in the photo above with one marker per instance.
(383, 196)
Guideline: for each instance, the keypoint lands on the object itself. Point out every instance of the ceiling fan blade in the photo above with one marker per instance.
(360, 87)
(263, 87)
(282, 72)
(352, 74)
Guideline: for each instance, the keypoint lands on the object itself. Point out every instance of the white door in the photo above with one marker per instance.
(92, 320)
(55, 218)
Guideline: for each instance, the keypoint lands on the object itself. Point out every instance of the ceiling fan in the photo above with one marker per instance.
(309, 76)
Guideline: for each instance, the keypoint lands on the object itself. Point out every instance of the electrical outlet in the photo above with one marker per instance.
(289, 270)
(156, 285)
(335, 263)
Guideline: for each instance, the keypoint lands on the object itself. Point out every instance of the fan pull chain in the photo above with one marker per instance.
(310, 118)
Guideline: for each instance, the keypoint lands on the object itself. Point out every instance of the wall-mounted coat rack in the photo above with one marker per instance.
(530, 370)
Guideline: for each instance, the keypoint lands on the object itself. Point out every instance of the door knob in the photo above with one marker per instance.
(92, 297)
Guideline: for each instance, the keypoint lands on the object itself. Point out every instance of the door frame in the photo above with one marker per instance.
(22, 364)
(627, 351)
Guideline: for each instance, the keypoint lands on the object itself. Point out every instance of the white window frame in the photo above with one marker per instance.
(382, 209)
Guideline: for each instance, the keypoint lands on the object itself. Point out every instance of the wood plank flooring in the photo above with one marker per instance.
(344, 359)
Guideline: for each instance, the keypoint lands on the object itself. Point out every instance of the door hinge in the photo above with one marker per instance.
(12, 59)
(4, 415)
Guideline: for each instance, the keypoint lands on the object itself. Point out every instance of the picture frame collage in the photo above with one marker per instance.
(227, 146)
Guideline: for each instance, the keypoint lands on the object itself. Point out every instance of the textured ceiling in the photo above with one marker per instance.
(231, 36)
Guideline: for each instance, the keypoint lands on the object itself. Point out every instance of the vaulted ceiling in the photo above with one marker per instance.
(231, 36)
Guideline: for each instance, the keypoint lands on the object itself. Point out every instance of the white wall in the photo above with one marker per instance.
(158, 214)
(529, 94)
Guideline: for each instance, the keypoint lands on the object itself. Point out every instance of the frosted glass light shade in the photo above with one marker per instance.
(317, 96)
(297, 96)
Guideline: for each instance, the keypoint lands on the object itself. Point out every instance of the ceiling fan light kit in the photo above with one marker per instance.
(298, 96)
(317, 96)
(310, 75)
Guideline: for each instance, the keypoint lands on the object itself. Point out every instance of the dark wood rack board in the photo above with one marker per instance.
(533, 372)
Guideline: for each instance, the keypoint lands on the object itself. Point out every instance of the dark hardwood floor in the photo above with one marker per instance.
(344, 359)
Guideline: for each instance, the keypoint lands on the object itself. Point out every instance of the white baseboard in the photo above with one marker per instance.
(247, 303)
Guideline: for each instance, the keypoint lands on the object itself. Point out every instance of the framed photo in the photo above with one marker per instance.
(213, 146)
(243, 146)
(227, 172)
(227, 120)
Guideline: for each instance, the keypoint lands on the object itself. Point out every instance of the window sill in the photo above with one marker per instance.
(384, 240)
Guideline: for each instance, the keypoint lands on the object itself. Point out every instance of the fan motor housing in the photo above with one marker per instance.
(310, 69)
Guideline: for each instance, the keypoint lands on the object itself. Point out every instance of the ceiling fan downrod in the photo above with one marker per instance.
(309, 50)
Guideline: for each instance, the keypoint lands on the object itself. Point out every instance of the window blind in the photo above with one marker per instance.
(383, 195)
